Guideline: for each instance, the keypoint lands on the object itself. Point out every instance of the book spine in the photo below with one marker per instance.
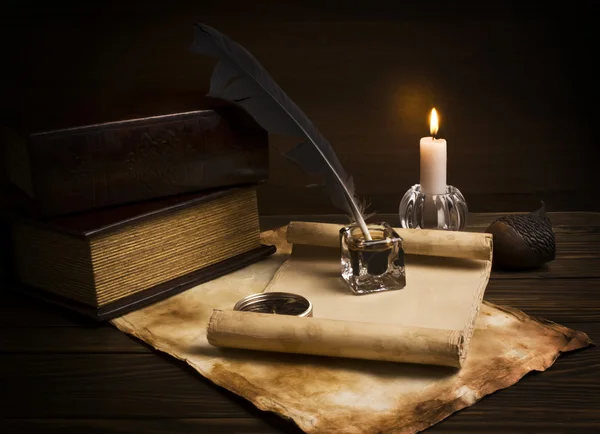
(112, 164)
(16, 160)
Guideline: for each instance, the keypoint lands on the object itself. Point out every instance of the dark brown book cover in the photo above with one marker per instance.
(103, 221)
(70, 170)
(92, 224)
(151, 295)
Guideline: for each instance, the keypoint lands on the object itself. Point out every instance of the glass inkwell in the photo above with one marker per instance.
(372, 265)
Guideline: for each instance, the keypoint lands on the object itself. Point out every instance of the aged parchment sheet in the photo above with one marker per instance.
(333, 338)
(430, 321)
(327, 394)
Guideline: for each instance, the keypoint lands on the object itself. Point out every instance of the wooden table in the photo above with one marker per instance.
(60, 373)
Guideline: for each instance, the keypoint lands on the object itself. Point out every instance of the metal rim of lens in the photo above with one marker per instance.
(253, 299)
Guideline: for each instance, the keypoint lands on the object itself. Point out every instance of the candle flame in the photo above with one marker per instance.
(434, 122)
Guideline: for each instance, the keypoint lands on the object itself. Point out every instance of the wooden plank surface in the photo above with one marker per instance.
(578, 258)
(134, 385)
(550, 300)
(60, 373)
(151, 425)
(560, 300)
(587, 222)
(526, 421)
(92, 387)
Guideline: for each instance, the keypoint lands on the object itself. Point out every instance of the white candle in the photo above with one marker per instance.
(433, 160)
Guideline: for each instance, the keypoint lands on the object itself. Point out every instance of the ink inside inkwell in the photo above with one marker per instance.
(372, 265)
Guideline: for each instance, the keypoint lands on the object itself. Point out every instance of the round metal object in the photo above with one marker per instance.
(281, 303)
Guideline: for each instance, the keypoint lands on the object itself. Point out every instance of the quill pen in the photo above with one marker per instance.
(240, 79)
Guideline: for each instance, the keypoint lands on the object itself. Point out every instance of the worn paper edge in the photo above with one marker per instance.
(469, 329)
(462, 338)
(575, 340)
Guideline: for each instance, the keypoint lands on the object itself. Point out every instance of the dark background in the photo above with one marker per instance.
(515, 85)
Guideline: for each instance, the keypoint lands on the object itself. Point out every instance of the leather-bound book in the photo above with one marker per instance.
(108, 262)
(60, 171)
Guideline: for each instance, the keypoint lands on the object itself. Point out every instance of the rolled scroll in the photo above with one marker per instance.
(327, 337)
(430, 321)
(464, 245)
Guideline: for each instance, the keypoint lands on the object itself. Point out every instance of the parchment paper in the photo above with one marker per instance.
(450, 244)
(328, 395)
(333, 338)
(430, 321)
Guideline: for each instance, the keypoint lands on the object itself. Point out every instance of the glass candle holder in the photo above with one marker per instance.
(435, 211)
(372, 265)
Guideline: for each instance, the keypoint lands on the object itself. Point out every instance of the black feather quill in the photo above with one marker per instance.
(239, 78)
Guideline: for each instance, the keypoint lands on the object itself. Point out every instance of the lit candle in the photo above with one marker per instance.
(433, 160)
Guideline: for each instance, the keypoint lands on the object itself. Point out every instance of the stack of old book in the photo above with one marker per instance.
(118, 215)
